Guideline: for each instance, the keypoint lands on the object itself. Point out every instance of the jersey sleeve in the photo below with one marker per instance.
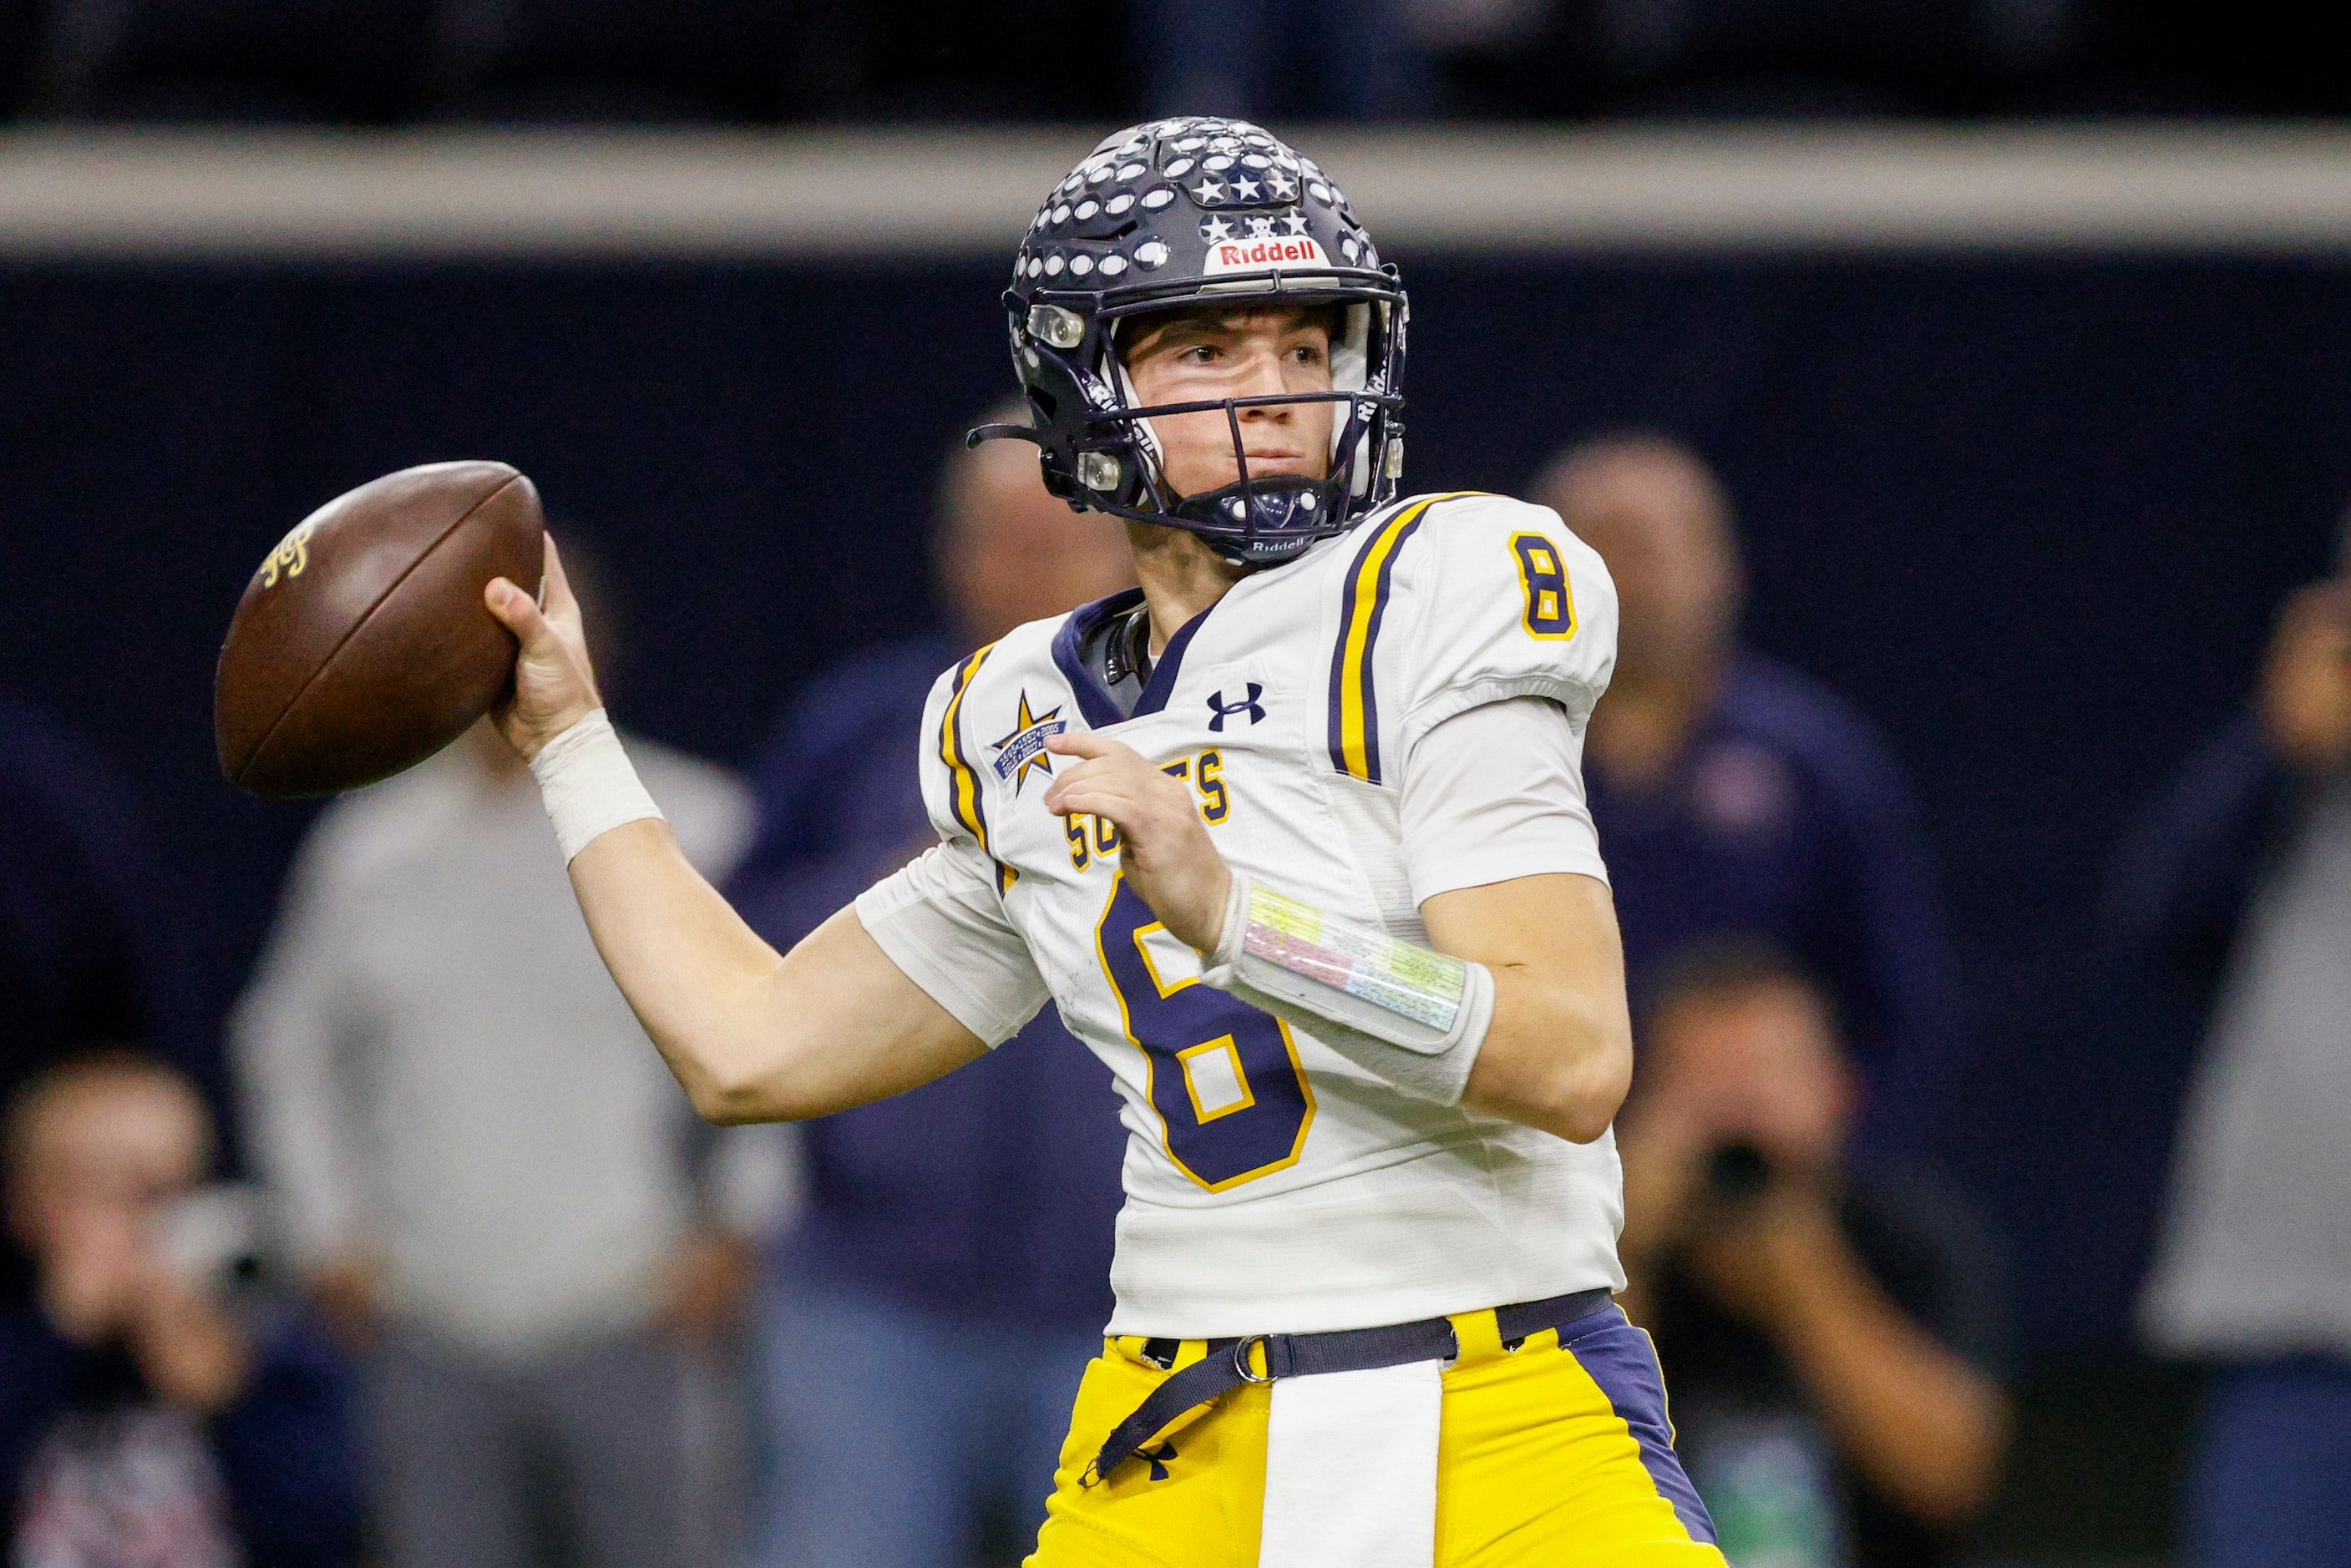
(941, 919)
(1494, 795)
(1499, 601)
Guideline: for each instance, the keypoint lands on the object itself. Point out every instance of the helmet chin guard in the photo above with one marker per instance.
(1189, 212)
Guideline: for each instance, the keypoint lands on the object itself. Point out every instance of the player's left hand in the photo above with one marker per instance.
(1168, 856)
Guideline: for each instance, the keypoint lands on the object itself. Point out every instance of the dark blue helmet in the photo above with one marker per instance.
(1172, 213)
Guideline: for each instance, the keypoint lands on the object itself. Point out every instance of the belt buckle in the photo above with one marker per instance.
(1241, 1357)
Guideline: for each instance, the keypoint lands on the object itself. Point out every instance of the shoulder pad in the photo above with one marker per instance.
(1451, 601)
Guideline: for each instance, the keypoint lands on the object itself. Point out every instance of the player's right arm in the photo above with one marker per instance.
(752, 1034)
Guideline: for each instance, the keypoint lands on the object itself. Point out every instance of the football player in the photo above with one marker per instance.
(1294, 836)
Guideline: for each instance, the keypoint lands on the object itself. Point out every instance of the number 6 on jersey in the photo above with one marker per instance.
(1224, 1077)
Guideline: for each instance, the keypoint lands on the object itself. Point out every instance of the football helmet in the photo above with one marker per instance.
(1170, 213)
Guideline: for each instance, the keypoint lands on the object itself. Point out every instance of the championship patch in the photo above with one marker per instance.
(1263, 253)
(1025, 748)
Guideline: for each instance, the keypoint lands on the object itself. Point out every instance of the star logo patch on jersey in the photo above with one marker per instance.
(1025, 748)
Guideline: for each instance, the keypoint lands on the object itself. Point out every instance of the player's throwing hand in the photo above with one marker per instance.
(1165, 850)
(555, 685)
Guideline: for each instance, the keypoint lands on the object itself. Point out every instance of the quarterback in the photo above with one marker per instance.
(1294, 836)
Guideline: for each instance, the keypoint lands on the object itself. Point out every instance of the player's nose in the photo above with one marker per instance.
(1266, 379)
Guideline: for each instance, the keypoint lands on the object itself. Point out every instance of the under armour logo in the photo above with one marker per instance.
(1222, 709)
(1158, 1458)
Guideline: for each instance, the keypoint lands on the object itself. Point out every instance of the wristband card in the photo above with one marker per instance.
(1410, 982)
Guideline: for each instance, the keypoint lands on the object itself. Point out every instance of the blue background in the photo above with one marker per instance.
(2032, 515)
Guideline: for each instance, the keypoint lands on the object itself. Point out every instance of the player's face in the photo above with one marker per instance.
(1195, 356)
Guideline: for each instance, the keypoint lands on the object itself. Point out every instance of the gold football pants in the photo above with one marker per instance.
(1551, 1455)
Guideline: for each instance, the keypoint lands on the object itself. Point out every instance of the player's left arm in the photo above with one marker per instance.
(1517, 1005)
(1511, 639)
(1559, 1052)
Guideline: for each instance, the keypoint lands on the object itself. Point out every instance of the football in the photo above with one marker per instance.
(361, 645)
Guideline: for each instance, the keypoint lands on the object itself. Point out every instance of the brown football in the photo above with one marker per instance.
(361, 646)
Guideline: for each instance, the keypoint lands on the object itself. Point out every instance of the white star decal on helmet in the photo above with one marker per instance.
(1208, 192)
(1245, 189)
(1283, 185)
(1216, 229)
(1294, 221)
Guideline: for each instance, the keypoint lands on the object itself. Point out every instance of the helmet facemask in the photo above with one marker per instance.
(1256, 518)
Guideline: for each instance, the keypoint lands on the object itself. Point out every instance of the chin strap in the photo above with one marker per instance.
(979, 433)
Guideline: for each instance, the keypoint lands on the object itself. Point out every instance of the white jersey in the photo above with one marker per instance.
(1272, 1185)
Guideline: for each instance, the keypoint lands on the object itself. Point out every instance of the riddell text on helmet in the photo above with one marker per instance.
(1253, 255)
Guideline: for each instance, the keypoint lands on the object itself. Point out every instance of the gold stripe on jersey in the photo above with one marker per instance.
(964, 799)
(1354, 706)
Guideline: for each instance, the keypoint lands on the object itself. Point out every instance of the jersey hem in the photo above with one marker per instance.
(1509, 867)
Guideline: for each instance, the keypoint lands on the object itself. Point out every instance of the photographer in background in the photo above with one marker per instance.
(1828, 1323)
(145, 1421)
(2232, 899)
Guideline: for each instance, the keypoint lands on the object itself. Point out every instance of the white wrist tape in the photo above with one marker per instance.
(588, 786)
(1413, 1017)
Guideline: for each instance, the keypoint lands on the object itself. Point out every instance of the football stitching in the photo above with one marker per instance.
(336, 652)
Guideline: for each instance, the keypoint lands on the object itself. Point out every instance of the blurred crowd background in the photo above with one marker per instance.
(1973, 782)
